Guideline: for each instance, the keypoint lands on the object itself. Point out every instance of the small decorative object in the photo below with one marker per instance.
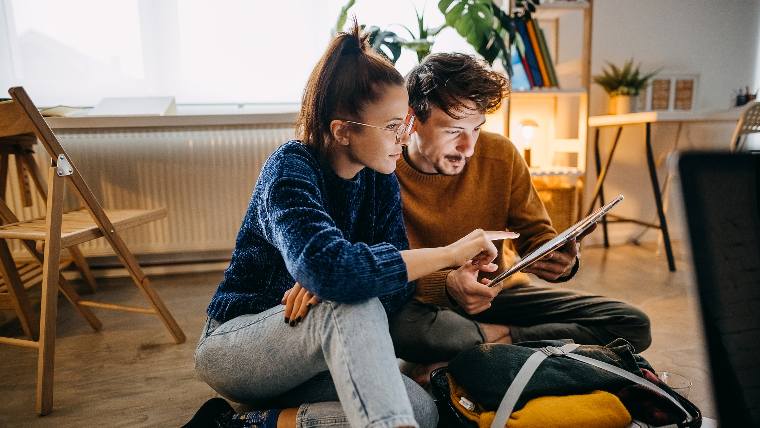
(671, 92)
(743, 96)
(623, 85)
(528, 130)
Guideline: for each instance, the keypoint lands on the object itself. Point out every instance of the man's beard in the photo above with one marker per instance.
(441, 169)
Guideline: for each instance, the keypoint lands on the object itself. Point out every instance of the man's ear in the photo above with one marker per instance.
(340, 131)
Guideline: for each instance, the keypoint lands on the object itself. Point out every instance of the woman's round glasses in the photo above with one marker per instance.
(399, 131)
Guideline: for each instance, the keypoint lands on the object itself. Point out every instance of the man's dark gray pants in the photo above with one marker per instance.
(426, 333)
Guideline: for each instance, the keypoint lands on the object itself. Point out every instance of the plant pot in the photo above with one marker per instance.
(622, 104)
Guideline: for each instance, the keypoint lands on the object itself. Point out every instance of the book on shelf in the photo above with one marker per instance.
(550, 71)
(530, 55)
(520, 46)
(519, 81)
(531, 26)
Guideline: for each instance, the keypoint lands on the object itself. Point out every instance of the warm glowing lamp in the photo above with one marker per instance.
(528, 130)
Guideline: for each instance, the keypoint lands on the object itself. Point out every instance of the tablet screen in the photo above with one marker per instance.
(570, 233)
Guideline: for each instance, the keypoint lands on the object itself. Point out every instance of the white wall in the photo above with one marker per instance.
(6, 70)
(718, 40)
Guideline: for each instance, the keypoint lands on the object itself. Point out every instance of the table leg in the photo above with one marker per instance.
(601, 175)
(658, 198)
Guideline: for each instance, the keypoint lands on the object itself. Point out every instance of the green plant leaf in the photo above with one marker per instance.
(484, 25)
(627, 80)
(386, 43)
(342, 16)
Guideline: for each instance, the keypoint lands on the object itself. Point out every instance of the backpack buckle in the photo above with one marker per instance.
(552, 351)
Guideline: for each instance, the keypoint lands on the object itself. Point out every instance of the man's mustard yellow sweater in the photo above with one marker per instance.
(493, 192)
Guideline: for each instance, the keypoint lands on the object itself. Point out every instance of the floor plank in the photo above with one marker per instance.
(131, 373)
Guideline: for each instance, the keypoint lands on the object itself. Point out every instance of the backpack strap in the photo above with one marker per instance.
(530, 366)
(521, 379)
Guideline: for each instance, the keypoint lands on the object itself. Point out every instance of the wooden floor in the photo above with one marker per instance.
(131, 374)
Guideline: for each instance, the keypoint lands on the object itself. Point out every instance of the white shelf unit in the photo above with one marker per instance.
(561, 113)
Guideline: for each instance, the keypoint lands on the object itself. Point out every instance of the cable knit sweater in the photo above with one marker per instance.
(340, 239)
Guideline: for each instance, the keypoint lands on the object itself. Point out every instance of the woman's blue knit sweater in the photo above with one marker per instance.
(339, 238)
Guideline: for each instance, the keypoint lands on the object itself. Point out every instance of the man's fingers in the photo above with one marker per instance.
(478, 309)
(587, 231)
(491, 267)
(481, 290)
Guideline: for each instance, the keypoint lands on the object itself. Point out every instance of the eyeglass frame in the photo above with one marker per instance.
(403, 128)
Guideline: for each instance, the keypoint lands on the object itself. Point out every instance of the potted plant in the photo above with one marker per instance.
(623, 85)
(388, 43)
(488, 28)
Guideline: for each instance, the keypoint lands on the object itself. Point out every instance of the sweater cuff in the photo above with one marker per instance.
(432, 289)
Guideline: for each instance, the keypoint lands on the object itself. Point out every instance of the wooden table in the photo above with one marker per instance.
(647, 119)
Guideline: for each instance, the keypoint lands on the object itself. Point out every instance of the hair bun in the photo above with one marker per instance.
(354, 41)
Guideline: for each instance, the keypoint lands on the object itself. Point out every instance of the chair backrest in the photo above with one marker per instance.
(749, 123)
(31, 118)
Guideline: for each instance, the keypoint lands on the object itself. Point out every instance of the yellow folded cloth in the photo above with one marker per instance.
(598, 409)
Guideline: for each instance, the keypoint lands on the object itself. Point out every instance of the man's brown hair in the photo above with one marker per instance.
(347, 78)
(448, 80)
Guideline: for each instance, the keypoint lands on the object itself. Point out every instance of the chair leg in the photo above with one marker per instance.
(84, 267)
(17, 292)
(142, 282)
(76, 253)
(161, 310)
(73, 297)
(49, 305)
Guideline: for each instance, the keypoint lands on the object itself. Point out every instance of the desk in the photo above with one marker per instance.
(647, 119)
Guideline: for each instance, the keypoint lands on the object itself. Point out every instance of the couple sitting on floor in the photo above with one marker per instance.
(341, 266)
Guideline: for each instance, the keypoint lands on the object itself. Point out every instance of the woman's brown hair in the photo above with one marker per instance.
(347, 78)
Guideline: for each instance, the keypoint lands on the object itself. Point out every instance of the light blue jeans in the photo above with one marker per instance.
(338, 352)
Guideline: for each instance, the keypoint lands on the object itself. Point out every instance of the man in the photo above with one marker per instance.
(454, 178)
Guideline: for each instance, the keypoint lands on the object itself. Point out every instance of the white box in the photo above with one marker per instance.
(135, 106)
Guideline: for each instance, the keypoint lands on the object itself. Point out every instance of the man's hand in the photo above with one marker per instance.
(559, 263)
(463, 286)
(297, 301)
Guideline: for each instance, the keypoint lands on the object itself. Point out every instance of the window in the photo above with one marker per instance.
(76, 52)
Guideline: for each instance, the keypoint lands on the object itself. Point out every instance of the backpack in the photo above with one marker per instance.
(502, 378)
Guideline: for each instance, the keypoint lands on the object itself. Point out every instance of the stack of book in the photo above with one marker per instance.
(532, 65)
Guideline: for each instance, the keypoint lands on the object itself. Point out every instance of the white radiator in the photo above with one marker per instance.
(203, 175)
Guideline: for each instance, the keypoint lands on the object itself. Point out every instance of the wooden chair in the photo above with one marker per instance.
(20, 119)
(749, 123)
(29, 273)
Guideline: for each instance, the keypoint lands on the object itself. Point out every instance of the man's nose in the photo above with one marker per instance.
(466, 145)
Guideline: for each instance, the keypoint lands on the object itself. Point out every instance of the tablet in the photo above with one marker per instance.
(570, 233)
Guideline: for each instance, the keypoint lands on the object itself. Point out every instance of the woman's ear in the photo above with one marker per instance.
(340, 132)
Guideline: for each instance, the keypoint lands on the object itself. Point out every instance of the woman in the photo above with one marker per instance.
(326, 213)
